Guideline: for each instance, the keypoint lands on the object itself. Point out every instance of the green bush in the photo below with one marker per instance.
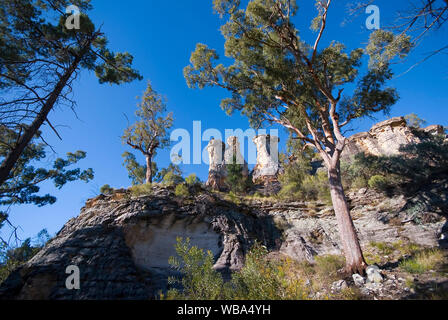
(200, 281)
(357, 172)
(259, 279)
(182, 191)
(236, 180)
(192, 179)
(378, 182)
(141, 190)
(316, 187)
(232, 197)
(172, 179)
(106, 189)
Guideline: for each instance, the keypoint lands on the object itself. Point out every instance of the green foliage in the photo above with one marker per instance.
(273, 67)
(237, 182)
(357, 172)
(264, 279)
(378, 182)
(35, 31)
(136, 171)
(182, 191)
(383, 252)
(192, 180)
(40, 59)
(200, 281)
(418, 165)
(385, 45)
(414, 121)
(12, 258)
(316, 187)
(141, 190)
(296, 170)
(328, 266)
(22, 185)
(106, 189)
(171, 175)
(423, 261)
(150, 132)
(232, 197)
(172, 179)
(259, 279)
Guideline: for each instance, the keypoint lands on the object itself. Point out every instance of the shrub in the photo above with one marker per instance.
(199, 280)
(327, 266)
(378, 182)
(232, 197)
(263, 279)
(236, 180)
(182, 191)
(106, 189)
(316, 187)
(192, 179)
(357, 172)
(141, 189)
(172, 179)
(295, 172)
(423, 261)
(384, 248)
(259, 279)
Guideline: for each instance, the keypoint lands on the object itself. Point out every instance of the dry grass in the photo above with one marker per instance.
(141, 190)
(423, 261)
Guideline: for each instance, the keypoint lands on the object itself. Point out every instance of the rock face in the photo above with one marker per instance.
(384, 138)
(217, 170)
(122, 244)
(267, 168)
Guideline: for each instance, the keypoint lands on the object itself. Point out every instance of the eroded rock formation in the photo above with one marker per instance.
(122, 244)
(267, 168)
(386, 138)
(217, 170)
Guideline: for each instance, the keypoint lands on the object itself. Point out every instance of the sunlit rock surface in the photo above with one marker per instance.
(267, 168)
(217, 170)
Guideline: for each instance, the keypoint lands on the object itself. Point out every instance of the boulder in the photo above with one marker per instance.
(338, 286)
(374, 274)
(358, 280)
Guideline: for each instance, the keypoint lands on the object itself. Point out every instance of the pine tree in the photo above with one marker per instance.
(39, 60)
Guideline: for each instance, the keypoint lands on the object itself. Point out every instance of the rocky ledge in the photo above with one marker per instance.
(122, 243)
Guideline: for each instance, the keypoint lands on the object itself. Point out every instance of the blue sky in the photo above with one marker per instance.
(161, 35)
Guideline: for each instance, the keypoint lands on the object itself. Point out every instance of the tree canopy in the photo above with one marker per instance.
(311, 89)
(150, 131)
(23, 184)
(39, 60)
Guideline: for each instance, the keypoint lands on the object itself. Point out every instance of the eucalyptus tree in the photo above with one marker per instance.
(41, 54)
(278, 77)
(150, 132)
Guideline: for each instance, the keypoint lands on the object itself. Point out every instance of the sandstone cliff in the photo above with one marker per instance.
(386, 138)
(121, 243)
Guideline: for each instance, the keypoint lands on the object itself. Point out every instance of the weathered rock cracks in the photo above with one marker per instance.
(122, 244)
